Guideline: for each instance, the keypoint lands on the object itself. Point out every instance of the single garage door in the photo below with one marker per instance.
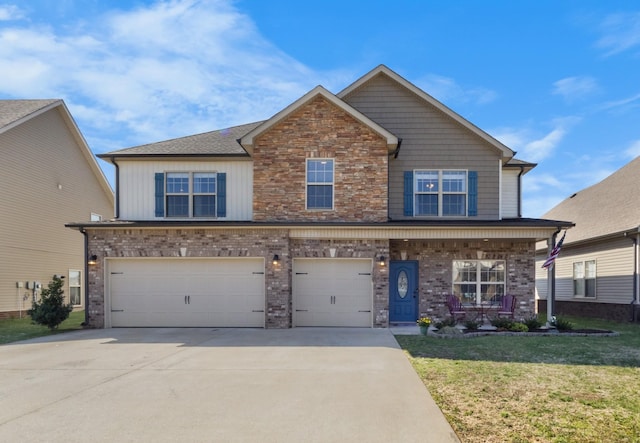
(187, 292)
(332, 292)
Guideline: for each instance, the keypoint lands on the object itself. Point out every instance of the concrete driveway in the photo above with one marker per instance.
(215, 385)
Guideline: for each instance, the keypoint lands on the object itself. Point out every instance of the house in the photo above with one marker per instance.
(596, 273)
(361, 208)
(48, 176)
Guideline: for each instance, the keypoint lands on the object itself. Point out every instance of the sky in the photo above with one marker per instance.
(556, 81)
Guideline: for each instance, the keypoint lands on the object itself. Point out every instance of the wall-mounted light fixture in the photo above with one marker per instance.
(93, 260)
(381, 260)
(276, 259)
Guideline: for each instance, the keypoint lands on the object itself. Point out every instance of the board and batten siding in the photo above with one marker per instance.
(137, 198)
(509, 203)
(46, 182)
(430, 140)
(614, 271)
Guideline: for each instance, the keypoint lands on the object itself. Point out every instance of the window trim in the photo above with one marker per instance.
(190, 194)
(81, 286)
(584, 279)
(441, 193)
(478, 282)
(331, 184)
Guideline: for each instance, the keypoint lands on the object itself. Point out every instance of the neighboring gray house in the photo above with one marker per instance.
(48, 176)
(596, 273)
(360, 209)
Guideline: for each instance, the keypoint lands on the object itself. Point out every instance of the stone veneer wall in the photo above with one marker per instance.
(355, 249)
(435, 269)
(199, 243)
(319, 129)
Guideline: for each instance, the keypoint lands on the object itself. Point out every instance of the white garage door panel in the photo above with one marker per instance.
(187, 292)
(332, 292)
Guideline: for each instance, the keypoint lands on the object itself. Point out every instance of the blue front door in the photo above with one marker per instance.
(403, 287)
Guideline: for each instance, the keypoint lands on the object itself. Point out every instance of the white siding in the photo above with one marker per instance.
(509, 202)
(137, 185)
(614, 272)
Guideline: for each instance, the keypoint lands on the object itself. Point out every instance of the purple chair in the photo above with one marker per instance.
(455, 308)
(507, 306)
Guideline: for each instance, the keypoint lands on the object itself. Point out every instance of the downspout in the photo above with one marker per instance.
(635, 301)
(395, 155)
(86, 278)
(551, 281)
(520, 191)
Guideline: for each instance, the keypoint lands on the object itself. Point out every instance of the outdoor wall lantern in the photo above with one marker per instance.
(93, 260)
(276, 259)
(381, 260)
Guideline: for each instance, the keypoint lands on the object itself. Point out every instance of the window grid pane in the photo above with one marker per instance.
(426, 181)
(454, 204)
(454, 181)
(204, 183)
(177, 183)
(426, 204)
(177, 206)
(204, 205)
(319, 197)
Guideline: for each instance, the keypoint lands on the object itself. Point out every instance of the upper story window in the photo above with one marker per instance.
(440, 193)
(320, 183)
(190, 194)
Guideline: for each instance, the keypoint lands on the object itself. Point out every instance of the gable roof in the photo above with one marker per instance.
(507, 153)
(17, 112)
(223, 142)
(608, 207)
(247, 140)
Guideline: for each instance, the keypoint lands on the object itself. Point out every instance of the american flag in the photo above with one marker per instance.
(554, 253)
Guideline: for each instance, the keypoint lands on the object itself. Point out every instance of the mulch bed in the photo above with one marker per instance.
(533, 333)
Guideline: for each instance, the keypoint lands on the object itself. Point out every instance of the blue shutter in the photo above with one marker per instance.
(408, 193)
(159, 194)
(473, 193)
(221, 210)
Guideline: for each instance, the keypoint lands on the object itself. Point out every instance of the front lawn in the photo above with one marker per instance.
(535, 389)
(22, 328)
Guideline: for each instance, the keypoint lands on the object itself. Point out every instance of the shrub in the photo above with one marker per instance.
(502, 323)
(472, 325)
(444, 323)
(519, 327)
(449, 330)
(562, 324)
(50, 311)
(532, 323)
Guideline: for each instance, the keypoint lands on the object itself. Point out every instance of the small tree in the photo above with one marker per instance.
(50, 311)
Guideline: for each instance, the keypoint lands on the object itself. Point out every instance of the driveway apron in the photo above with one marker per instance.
(215, 385)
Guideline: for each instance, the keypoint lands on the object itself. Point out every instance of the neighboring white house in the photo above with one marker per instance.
(48, 176)
(596, 273)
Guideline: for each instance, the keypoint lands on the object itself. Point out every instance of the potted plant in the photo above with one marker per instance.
(424, 323)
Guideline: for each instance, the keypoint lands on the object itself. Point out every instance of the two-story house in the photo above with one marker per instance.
(362, 209)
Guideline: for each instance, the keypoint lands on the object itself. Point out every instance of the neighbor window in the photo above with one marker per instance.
(95, 217)
(478, 281)
(319, 184)
(191, 194)
(584, 278)
(440, 193)
(75, 287)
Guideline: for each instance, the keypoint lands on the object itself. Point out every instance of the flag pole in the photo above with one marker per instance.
(551, 270)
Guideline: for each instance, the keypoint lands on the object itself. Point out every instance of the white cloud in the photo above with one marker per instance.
(575, 88)
(621, 33)
(633, 150)
(532, 147)
(10, 12)
(446, 89)
(168, 69)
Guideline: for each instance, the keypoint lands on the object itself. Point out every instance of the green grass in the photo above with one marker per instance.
(542, 389)
(22, 328)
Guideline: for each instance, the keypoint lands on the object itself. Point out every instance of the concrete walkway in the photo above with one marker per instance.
(215, 385)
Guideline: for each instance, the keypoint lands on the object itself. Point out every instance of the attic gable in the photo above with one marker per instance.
(505, 152)
(247, 140)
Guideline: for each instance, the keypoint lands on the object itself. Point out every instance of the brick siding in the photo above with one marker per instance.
(319, 129)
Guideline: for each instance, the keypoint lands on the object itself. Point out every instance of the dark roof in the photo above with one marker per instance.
(608, 207)
(13, 110)
(222, 142)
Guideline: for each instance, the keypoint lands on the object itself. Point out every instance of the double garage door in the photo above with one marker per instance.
(219, 292)
(186, 292)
